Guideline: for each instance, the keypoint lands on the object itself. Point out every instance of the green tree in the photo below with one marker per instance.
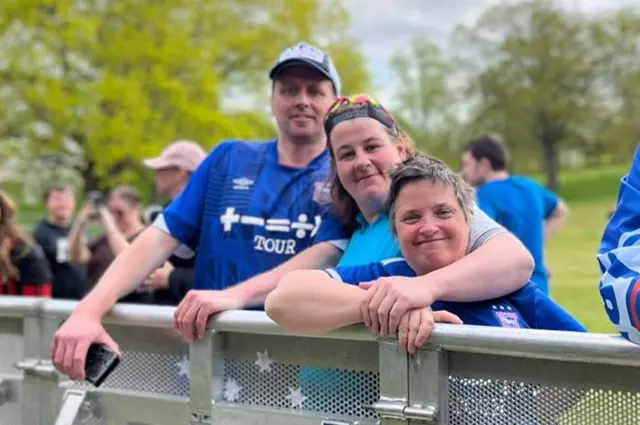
(536, 74)
(114, 81)
(618, 120)
(425, 97)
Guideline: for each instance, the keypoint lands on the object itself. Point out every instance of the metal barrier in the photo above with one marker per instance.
(248, 370)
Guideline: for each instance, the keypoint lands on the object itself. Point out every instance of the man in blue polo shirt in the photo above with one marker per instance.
(619, 257)
(248, 208)
(524, 207)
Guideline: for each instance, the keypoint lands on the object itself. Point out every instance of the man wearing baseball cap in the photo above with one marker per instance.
(174, 166)
(246, 210)
(172, 170)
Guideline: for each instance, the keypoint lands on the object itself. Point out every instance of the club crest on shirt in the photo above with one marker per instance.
(322, 192)
(508, 319)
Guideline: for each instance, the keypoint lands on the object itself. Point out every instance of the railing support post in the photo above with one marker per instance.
(200, 380)
(72, 402)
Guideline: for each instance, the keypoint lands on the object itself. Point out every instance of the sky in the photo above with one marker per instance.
(385, 26)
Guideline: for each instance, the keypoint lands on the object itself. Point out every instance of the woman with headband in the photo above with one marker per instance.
(366, 144)
(430, 209)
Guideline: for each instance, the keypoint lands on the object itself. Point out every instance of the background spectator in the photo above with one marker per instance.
(172, 171)
(23, 267)
(523, 206)
(121, 219)
(52, 234)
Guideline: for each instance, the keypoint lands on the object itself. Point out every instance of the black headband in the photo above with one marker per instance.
(370, 111)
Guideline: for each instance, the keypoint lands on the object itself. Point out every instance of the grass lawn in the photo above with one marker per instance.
(571, 252)
(571, 255)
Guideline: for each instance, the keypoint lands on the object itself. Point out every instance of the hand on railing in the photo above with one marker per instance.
(388, 299)
(416, 325)
(71, 343)
(194, 311)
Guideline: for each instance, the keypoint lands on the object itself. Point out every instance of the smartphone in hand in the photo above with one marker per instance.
(101, 361)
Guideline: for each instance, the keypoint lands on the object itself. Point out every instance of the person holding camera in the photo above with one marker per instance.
(120, 215)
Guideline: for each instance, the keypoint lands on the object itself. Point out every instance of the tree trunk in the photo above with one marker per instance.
(551, 162)
(550, 131)
(91, 181)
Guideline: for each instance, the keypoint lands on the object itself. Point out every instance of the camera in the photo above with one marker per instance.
(96, 198)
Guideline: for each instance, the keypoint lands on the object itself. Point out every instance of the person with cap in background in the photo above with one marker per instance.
(172, 171)
(174, 166)
(246, 210)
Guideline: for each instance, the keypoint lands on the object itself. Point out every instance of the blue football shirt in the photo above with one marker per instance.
(619, 257)
(245, 213)
(521, 205)
(528, 307)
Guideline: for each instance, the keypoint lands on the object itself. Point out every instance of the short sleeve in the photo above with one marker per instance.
(331, 230)
(355, 275)
(482, 229)
(549, 200)
(182, 219)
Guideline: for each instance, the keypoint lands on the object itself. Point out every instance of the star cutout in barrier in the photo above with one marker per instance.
(296, 397)
(231, 390)
(183, 367)
(264, 362)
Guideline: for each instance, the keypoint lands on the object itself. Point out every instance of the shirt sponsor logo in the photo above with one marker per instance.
(302, 228)
(242, 183)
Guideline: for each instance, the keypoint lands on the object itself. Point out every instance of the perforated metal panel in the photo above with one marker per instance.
(11, 351)
(149, 372)
(501, 402)
(330, 391)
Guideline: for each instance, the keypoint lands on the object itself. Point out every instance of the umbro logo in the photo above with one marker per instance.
(242, 183)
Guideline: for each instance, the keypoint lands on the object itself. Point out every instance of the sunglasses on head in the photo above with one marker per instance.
(364, 106)
(358, 99)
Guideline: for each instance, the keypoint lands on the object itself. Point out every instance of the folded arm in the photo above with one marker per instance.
(500, 266)
(310, 301)
(254, 291)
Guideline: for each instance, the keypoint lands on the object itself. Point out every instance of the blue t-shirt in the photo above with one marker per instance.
(527, 307)
(521, 205)
(246, 213)
(619, 257)
(370, 242)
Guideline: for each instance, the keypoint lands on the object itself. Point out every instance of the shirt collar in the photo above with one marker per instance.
(364, 224)
(318, 162)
